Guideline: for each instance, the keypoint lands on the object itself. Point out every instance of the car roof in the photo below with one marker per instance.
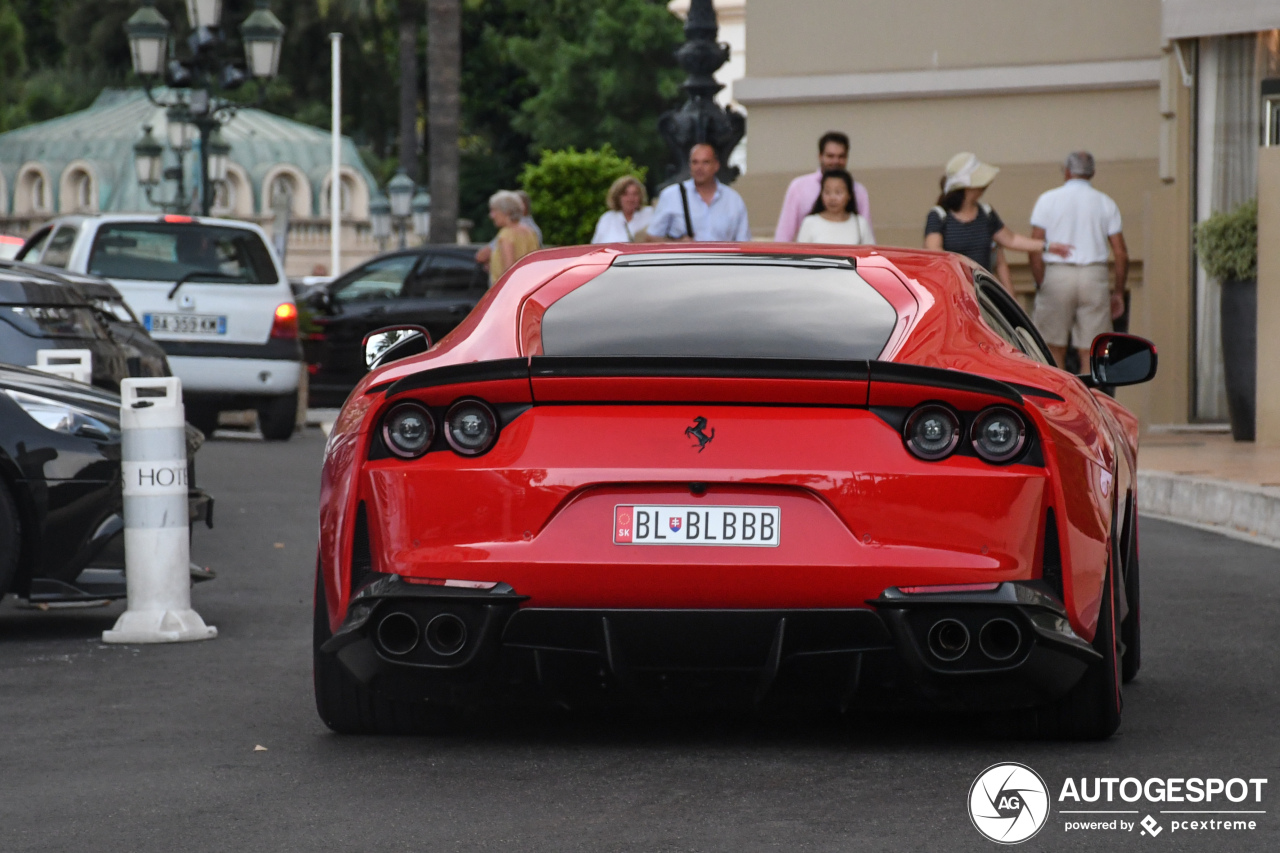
(165, 218)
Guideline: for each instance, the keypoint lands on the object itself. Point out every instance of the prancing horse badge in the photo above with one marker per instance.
(699, 431)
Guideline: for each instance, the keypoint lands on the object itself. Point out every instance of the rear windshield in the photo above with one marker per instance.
(736, 309)
(160, 251)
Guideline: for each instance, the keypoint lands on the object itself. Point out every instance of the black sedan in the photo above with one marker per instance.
(61, 503)
(42, 308)
(430, 286)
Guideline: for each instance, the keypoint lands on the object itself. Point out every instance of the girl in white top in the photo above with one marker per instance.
(628, 214)
(834, 218)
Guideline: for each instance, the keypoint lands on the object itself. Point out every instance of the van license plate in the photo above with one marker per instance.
(186, 324)
(759, 526)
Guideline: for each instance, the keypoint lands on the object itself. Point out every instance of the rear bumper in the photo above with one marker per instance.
(251, 376)
(839, 656)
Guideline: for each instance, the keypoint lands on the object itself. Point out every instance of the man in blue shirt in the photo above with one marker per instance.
(717, 212)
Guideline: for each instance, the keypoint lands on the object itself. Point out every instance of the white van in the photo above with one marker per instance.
(211, 292)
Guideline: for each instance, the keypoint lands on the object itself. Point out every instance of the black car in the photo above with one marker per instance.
(61, 500)
(42, 308)
(431, 286)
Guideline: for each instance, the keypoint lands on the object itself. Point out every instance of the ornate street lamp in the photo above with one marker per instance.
(148, 33)
(380, 220)
(400, 191)
(191, 101)
(147, 162)
(219, 155)
(204, 13)
(422, 215)
(262, 34)
(178, 129)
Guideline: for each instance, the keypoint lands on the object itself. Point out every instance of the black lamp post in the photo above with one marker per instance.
(700, 119)
(192, 105)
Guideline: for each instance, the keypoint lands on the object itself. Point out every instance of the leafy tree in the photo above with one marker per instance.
(603, 72)
(13, 60)
(567, 189)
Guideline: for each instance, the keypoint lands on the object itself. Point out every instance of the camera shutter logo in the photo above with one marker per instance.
(1008, 803)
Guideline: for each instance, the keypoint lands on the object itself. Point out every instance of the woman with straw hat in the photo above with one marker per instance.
(962, 224)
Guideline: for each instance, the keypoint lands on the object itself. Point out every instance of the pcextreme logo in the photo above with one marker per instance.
(1008, 803)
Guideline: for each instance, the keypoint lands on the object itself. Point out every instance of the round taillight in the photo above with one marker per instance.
(408, 430)
(470, 427)
(932, 432)
(999, 434)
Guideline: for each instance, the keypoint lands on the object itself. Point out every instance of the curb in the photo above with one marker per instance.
(1236, 509)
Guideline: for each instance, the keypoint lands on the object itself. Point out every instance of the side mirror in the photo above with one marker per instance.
(394, 343)
(1117, 359)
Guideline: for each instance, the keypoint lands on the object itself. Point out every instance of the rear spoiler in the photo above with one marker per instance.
(685, 379)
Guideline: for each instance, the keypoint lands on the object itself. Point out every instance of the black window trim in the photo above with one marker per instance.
(1006, 305)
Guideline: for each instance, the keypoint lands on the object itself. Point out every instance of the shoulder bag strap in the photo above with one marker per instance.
(688, 220)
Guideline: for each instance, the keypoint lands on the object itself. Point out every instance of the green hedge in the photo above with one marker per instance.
(567, 190)
(1227, 243)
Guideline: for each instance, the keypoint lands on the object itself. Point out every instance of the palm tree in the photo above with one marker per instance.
(444, 83)
(407, 13)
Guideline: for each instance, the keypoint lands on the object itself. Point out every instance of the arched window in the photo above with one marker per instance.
(224, 197)
(352, 191)
(283, 182)
(346, 195)
(79, 190)
(32, 194)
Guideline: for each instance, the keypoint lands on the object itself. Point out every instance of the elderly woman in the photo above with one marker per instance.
(628, 213)
(515, 239)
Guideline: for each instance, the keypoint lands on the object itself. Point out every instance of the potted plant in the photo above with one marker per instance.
(1227, 244)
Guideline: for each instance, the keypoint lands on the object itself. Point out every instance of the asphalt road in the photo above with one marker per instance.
(153, 748)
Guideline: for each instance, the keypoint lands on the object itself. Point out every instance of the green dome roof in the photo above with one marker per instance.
(103, 136)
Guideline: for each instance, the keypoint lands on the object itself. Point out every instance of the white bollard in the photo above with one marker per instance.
(73, 364)
(157, 550)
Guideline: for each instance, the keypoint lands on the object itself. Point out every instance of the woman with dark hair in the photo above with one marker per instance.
(960, 223)
(834, 217)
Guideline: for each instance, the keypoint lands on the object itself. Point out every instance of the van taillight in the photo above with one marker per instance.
(285, 324)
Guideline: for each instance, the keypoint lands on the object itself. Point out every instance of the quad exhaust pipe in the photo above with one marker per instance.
(399, 633)
(948, 639)
(446, 634)
(998, 640)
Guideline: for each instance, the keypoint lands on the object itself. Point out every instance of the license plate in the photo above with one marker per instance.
(186, 324)
(759, 526)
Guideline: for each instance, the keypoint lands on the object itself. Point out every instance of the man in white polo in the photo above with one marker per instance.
(1073, 299)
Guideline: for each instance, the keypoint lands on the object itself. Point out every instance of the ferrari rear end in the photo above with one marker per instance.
(700, 479)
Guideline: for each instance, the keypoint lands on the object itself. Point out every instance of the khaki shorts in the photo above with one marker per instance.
(1075, 301)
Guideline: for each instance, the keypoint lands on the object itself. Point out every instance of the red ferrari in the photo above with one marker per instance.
(732, 473)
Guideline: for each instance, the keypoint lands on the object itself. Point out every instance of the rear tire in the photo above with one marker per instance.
(1131, 627)
(10, 539)
(278, 417)
(1092, 709)
(349, 707)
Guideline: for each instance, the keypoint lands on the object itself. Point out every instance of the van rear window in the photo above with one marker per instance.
(157, 251)
(735, 308)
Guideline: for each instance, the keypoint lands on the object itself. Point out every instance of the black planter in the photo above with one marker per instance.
(1239, 308)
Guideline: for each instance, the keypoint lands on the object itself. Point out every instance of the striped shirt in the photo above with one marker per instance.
(971, 239)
